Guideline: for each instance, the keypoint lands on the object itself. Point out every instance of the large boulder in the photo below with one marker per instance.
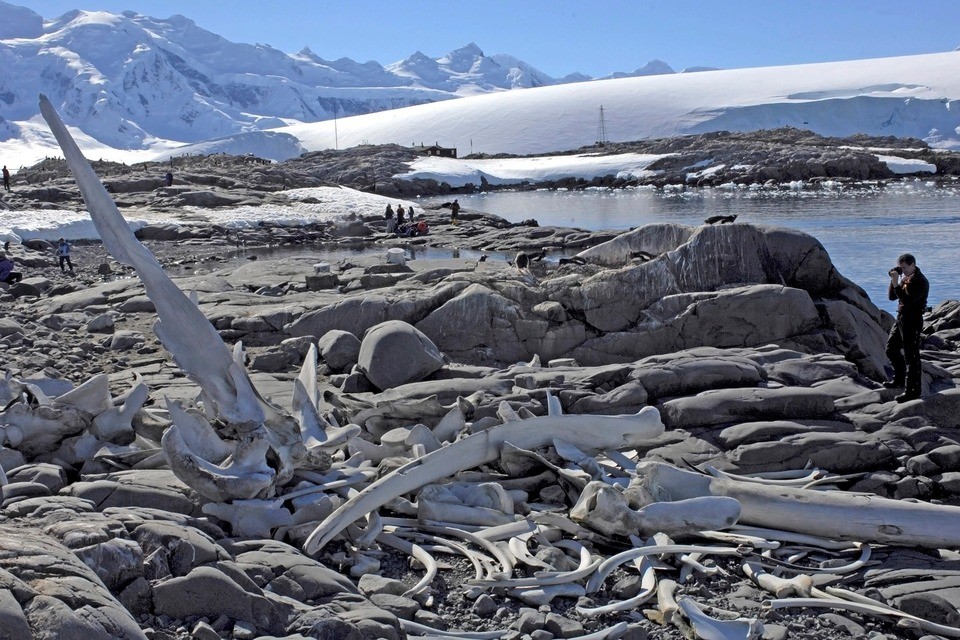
(481, 321)
(394, 353)
(339, 349)
(713, 258)
(650, 239)
(360, 312)
(742, 317)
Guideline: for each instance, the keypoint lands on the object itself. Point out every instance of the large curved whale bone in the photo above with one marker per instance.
(246, 474)
(831, 514)
(182, 328)
(588, 432)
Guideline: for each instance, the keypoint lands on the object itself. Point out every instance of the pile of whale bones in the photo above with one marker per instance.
(308, 475)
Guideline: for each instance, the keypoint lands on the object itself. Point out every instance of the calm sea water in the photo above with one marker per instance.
(863, 229)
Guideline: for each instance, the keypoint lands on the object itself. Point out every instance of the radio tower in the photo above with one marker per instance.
(601, 130)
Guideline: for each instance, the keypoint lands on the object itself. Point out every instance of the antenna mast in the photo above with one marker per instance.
(601, 130)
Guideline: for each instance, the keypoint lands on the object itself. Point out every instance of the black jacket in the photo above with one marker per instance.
(912, 293)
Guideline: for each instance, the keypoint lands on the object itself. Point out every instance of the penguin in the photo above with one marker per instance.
(721, 219)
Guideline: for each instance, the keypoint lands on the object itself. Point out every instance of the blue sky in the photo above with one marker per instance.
(595, 37)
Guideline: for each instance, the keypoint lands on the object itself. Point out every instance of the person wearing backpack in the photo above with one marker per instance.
(63, 253)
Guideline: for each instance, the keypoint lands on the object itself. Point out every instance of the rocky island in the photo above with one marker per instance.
(675, 432)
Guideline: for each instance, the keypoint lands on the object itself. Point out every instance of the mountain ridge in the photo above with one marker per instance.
(136, 88)
(129, 80)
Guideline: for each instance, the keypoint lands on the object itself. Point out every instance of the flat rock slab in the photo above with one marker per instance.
(736, 405)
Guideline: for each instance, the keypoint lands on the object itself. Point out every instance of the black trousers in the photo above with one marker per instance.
(67, 260)
(903, 349)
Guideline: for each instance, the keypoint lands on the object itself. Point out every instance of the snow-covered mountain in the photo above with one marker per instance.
(129, 81)
(916, 96)
(136, 88)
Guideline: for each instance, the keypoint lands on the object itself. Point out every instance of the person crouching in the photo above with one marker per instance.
(7, 273)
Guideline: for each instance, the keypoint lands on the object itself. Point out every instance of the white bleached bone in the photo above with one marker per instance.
(450, 425)
(44, 427)
(648, 587)
(317, 432)
(318, 435)
(430, 572)
(611, 563)
(605, 508)
(834, 566)
(484, 504)
(554, 408)
(184, 331)
(588, 432)
(521, 553)
(411, 627)
(832, 514)
(93, 396)
(506, 413)
(780, 536)
(245, 476)
(789, 481)
(572, 454)
(200, 438)
(859, 604)
(691, 562)
(799, 585)
(251, 518)
(709, 628)
(666, 602)
(115, 424)
(438, 544)
(541, 579)
(539, 596)
(506, 562)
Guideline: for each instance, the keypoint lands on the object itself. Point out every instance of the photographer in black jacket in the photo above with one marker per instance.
(910, 287)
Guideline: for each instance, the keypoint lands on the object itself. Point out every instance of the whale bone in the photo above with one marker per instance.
(116, 423)
(589, 432)
(183, 330)
(831, 514)
(251, 518)
(245, 475)
(710, 628)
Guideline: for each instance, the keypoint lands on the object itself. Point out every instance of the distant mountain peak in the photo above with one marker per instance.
(131, 81)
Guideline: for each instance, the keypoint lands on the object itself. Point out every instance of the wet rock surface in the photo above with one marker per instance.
(770, 367)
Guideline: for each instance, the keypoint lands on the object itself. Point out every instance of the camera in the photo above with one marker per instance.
(898, 269)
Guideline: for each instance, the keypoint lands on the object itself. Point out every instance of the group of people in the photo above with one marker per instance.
(402, 222)
(8, 273)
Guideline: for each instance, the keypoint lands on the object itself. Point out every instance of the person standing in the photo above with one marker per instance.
(388, 214)
(6, 178)
(63, 253)
(455, 212)
(910, 288)
(400, 214)
(7, 273)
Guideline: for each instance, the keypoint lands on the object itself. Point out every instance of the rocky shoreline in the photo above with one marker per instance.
(378, 446)
(769, 157)
(773, 370)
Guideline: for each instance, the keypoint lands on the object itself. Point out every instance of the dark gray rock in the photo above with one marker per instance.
(339, 349)
(394, 353)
